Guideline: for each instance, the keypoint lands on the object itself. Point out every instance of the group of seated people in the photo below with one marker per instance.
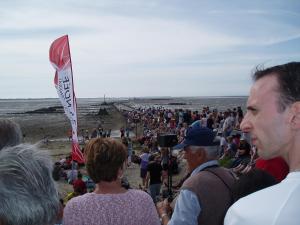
(238, 155)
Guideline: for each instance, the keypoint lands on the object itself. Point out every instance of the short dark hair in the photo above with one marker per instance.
(288, 77)
(244, 145)
(104, 157)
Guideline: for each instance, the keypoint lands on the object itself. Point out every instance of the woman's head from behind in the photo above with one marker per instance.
(105, 158)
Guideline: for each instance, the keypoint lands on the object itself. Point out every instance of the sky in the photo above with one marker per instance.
(138, 48)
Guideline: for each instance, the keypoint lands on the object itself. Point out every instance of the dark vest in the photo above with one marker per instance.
(213, 188)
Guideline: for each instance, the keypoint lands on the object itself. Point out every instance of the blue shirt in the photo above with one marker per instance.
(187, 207)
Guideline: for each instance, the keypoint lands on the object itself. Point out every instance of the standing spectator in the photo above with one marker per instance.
(72, 173)
(273, 119)
(94, 133)
(127, 132)
(130, 149)
(144, 163)
(70, 134)
(206, 195)
(128, 143)
(210, 122)
(223, 145)
(154, 175)
(108, 133)
(122, 131)
(228, 124)
(87, 136)
(240, 115)
(110, 203)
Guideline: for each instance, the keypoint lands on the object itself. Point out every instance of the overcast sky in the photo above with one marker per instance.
(133, 48)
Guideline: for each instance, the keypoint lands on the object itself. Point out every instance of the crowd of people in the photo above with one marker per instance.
(240, 169)
(157, 120)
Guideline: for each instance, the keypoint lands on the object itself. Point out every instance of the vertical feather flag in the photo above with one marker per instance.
(60, 58)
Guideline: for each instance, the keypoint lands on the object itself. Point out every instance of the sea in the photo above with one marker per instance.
(10, 107)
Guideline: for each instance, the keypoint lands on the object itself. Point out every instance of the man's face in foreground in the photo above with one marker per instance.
(269, 128)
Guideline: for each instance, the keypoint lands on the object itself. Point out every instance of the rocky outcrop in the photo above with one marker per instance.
(52, 109)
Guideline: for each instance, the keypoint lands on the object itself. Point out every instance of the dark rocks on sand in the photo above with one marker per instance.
(53, 109)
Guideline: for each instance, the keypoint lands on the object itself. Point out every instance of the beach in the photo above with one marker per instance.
(50, 129)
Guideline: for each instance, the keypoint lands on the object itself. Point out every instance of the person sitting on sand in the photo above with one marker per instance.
(57, 172)
(67, 163)
(79, 188)
(110, 203)
(79, 184)
(243, 155)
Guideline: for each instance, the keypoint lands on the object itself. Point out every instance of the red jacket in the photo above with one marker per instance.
(277, 167)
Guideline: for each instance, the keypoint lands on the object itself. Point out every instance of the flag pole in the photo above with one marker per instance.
(72, 80)
(75, 104)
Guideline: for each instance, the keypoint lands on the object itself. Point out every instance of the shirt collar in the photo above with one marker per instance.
(204, 165)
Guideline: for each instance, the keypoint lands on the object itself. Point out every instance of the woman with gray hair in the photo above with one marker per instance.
(27, 191)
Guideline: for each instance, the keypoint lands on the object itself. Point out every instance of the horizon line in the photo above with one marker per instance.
(135, 97)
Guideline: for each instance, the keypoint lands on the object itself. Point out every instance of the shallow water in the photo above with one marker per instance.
(91, 105)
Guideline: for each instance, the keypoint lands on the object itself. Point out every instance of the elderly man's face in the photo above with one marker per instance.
(193, 158)
(269, 128)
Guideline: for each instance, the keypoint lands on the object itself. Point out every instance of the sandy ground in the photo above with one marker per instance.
(59, 149)
(54, 128)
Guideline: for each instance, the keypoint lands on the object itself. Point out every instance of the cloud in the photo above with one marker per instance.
(114, 38)
(136, 48)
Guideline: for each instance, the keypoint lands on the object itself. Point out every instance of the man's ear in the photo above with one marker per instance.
(295, 115)
(202, 153)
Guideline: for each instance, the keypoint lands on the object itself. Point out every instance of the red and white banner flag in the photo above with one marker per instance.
(60, 58)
